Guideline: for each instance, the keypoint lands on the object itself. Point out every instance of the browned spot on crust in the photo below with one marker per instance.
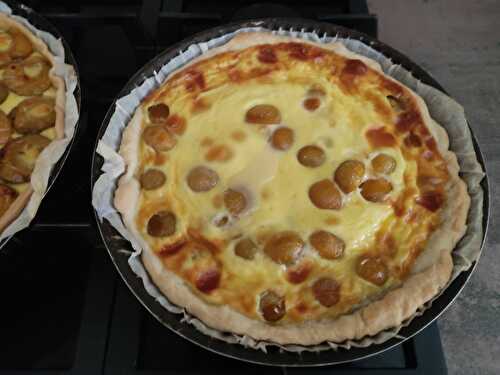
(407, 121)
(316, 54)
(176, 124)
(380, 105)
(354, 67)
(219, 153)
(301, 308)
(206, 141)
(149, 156)
(411, 216)
(173, 248)
(160, 158)
(265, 194)
(431, 144)
(238, 135)
(299, 273)
(379, 137)
(298, 51)
(267, 55)
(326, 291)
(316, 90)
(258, 72)
(412, 140)
(332, 220)
(311, 104)
(194, 80)
(248, 303)
(218, 200)
(394, 88)
(197, 237)
(208, 281)
(176, 260)
(423, 131)
(428, 155)
(386, 244)
(431, 200)
(235, 75)
(200, 105)
(399, 204)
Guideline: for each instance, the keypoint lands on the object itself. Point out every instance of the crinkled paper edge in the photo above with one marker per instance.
(53, 152)
(442, 108)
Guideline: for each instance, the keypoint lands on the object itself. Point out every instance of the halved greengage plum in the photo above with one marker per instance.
(264, 114)
(245, 248)
(152, 179)
(284, 247)
(158, 113)
(328, 245)
(158, 138)
(34, 115)
(5, 129)
(376, 190)
(162, 224)
(272, 306)
(282, 139)
(373, 269)
(235, 201)
(349, 175)
(384, 164)
(325, 195)
(201, 179)
(311, 156)
(20, 156)
(28, 77)
(326, 291)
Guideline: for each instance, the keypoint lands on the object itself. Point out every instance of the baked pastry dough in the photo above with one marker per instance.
(291, 191)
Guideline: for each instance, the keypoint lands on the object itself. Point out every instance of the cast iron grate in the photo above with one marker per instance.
(90, 323)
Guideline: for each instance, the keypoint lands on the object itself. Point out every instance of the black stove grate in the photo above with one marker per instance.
(90, 323)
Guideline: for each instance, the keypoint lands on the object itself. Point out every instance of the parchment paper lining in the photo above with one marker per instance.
(51, 154)
(443, 109)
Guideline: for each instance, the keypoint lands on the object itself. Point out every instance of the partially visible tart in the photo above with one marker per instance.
(31, 112)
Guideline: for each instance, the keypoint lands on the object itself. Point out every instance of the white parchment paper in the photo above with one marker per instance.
(442, 108)
(51, 154)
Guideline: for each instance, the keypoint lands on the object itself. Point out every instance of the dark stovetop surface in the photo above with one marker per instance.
(63, 307)
(90, 323)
